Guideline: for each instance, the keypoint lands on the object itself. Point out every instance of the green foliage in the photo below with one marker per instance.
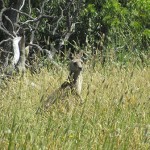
(124, 23)
(146, 33)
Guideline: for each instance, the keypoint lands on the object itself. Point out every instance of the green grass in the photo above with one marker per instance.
(115, 115)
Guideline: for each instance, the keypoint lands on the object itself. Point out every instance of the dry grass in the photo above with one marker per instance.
(115, 114)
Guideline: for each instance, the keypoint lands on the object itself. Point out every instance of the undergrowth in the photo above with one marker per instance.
(115, 113)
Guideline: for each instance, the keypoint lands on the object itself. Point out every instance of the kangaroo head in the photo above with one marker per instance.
(76, 64)
(75, 76)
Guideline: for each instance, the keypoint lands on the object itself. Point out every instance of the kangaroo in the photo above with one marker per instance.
(73, 84)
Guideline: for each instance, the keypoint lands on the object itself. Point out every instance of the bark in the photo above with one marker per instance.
(22, 59)
(16, 57)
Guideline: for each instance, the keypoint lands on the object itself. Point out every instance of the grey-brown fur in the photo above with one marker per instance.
(73, 83)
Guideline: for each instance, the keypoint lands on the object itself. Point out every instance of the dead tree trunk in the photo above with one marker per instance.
(22, 59)
(8, 21)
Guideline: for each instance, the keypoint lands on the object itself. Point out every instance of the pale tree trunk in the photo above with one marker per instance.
(16, 57)
(22, 59)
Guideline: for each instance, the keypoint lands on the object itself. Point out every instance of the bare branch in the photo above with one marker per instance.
(9, 39)
(5, 31)
(41, 16)
(22, 13)
(50, 54)
(1, 23)
(43, 4)
(1, 13)
(33, 32)
(54, 31)
(38, 19)
(11, 24)
(29, 2)
(37, 46)
(23, 2)
(4, 51)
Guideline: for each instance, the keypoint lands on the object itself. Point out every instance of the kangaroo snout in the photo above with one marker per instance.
(76, 65)
(80, 68)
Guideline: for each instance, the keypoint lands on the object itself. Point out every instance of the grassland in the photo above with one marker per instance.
(115, 113)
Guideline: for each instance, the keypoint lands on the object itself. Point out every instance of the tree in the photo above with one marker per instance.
(12, 35)
(52, 26)
(48, 26)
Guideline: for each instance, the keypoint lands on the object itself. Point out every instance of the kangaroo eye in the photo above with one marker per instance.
(75, 63)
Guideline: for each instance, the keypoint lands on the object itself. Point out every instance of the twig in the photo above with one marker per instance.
(1, 13)
(23, 2)
(43, 50)
(11, 24)
(4, 51)
(9, 39)
(22, 13)
(5, 31)
(49, 53)
(58, 21)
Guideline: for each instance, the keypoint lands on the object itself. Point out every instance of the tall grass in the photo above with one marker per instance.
(115, 113)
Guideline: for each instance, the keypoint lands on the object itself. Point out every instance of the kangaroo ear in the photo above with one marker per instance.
(80, 55)
(71, 56)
